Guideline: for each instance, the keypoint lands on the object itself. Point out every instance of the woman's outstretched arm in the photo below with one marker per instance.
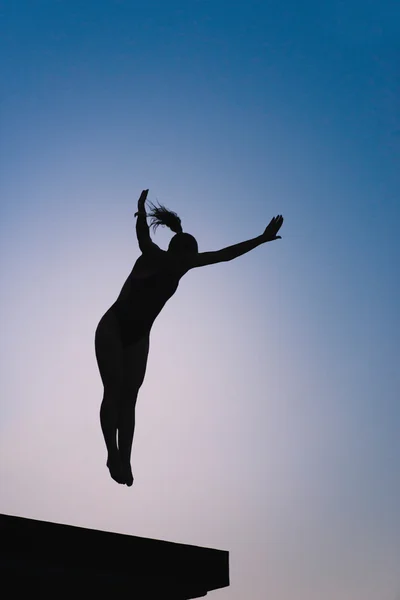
(231, 252)
(142, 228)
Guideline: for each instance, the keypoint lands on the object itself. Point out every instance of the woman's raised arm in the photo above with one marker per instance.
(142, 229)
(210, 258)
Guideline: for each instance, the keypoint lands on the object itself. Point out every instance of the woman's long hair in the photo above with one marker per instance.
(160, 215)
(181, 243)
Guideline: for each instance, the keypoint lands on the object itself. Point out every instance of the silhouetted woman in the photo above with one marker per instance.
(122, 335)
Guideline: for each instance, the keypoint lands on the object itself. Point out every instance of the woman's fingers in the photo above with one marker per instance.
(274, 226)
(142, 198)
(278, 222)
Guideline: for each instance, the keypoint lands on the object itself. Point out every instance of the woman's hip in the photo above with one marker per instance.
(130, 329)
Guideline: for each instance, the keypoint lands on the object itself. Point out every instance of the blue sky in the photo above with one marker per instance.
(269, 418)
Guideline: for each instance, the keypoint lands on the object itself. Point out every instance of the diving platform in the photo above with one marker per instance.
(44, 560)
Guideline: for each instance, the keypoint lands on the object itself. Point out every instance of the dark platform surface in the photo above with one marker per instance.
(61, 561)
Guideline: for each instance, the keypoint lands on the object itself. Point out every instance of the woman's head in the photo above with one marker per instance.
(181, 243)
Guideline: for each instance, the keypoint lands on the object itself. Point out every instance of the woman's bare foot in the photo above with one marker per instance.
(115, 468)
(127, 474)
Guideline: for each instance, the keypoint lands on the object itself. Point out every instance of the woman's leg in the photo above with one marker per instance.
(135, 362)
(110, 360)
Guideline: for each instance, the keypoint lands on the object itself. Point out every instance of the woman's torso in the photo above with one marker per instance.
(151, 283)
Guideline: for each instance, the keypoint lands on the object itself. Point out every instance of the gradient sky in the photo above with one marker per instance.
(268, 424)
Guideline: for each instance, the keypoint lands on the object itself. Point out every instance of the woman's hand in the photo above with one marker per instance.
(272, 229)
(142, 202)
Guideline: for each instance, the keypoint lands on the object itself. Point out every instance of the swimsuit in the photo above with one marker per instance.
(139, 306)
